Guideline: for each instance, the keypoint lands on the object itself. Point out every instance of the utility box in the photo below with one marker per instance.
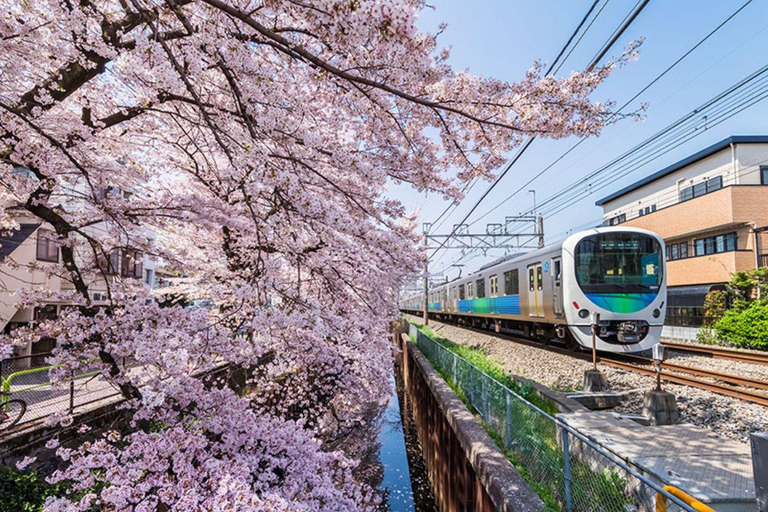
(760, 466)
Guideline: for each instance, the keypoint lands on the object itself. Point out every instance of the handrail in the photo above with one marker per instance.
(661, 500)
(578, 435)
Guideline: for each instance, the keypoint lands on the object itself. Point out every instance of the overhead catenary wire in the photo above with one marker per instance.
(436, 223)
(620, 109)
(617, 34)
(687, 121)
(751, 89)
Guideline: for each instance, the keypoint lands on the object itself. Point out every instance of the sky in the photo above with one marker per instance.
(502, 38)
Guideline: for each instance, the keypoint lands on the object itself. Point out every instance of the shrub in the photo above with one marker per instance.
(25, 491)
(745, 328)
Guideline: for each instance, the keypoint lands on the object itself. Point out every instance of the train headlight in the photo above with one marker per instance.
(656, 313)
(584, 313)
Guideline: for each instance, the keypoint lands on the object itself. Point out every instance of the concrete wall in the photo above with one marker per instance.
(465, 467)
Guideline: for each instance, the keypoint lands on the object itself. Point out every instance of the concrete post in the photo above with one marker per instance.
(759, 444)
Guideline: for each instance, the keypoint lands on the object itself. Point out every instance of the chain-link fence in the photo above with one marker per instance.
(569, 471)
(24, 379)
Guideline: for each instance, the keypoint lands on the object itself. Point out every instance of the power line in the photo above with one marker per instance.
(627, 103)
(549, 70)
(617, 34)
(748, 91)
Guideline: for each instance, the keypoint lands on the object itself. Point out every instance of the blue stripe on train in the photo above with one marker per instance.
(508, 305)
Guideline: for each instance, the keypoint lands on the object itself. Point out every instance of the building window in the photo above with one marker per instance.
(616, 220)
(47, 250)
(148, 277)
(716, 244)
(764, 174)
(677, 251)
(701, 188)
(480, 288)
(133, 264)
(511, 283)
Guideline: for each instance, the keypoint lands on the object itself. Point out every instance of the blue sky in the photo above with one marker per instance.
(502, 38)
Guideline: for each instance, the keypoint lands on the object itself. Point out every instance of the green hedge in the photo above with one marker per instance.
(745, 328)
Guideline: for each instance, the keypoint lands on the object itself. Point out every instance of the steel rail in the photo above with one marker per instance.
(675, 378)
(719, 352)
(743, 394)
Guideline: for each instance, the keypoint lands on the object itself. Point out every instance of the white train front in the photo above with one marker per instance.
(616, 272)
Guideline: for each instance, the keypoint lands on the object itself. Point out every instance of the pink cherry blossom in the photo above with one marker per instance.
(246, 146)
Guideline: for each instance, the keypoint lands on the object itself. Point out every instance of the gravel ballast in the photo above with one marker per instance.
(727, 416)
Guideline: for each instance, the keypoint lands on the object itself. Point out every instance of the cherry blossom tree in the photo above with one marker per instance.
(254, 142)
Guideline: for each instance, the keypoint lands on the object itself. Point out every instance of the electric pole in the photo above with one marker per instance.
(425, 310)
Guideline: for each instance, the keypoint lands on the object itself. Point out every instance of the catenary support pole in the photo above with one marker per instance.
(426, 283)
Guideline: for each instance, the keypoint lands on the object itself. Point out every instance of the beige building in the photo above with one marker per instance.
(712, 211)
(27, 260)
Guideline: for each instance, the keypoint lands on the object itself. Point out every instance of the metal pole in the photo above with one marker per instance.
(595, 327)
(541, 231)
(71, 396)
(757, 261)
(567, 472)
(508, 430)
(426, 282)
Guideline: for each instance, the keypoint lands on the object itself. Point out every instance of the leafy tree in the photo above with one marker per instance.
(256, 140)
(715, 306)
(746, 287)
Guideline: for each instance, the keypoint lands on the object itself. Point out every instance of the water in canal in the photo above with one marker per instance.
(391, 459)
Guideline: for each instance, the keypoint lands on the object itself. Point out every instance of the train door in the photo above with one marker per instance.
(535, 290)
(557, 286)
(494, 284)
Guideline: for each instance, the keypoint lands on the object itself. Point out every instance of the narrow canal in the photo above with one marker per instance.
(404, 485)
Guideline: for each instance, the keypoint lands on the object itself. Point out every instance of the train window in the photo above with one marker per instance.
(494, 280)
(461, 292)
(619, 263)
(480, 288)
(539, 278)
(470, 291)
(557, 272)
(511, 283)
(531, 280)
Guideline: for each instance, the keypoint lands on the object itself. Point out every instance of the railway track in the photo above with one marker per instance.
(719, 353)
(726, 384)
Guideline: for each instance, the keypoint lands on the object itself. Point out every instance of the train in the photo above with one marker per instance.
(553, 293)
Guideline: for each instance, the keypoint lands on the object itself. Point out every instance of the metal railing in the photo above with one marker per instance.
(26, 378)
(566, 469)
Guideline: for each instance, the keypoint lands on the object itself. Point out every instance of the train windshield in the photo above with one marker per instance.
(620, 262)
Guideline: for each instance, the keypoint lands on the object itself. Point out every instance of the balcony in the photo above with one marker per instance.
(730, 206)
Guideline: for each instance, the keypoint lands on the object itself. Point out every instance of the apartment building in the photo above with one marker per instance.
(26, 260)
(712, 211)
